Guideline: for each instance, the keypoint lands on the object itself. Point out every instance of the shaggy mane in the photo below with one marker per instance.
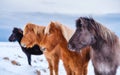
(33, 27)
(67, 32)
(99, 30)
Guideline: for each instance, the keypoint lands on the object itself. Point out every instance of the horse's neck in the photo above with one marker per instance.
(19, 37)
(102, 46)
(66, 35)
(63, 45)
(63, 49)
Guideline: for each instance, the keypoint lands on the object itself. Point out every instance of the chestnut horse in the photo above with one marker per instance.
(32, 36)
(105, 53)
(55, 39)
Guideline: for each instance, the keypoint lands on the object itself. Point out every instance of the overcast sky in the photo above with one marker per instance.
(61, 6)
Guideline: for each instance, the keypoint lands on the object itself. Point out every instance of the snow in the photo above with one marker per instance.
(12, 51)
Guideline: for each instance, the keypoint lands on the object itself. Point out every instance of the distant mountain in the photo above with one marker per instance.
(10, 20)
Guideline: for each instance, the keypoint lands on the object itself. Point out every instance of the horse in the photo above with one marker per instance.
(17, 35)
(29, 32)
(56, 38)
(53, 54)
(105, 52)
(32, 35)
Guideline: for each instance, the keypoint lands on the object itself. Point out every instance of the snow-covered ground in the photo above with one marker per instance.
(11, 52)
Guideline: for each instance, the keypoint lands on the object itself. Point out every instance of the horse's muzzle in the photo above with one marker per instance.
(23, 45)
(42, 49)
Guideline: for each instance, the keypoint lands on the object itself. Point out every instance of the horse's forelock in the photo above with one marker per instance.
(91, 25)
(39, 30)
(29, 27)
(82, 21)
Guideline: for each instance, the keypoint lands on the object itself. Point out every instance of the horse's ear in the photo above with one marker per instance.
(79, 22)
(47, 28)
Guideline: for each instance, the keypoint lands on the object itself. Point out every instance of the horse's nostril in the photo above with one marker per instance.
(23, 45)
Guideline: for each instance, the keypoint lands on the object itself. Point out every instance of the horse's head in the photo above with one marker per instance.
(32, 35)
(83, 36)
(16, 35)
(51, 37)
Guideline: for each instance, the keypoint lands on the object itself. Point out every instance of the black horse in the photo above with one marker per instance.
(17, 35)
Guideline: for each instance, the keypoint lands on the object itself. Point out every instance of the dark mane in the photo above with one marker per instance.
(98, 30)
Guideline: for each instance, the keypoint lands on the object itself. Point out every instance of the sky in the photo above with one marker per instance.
(61, 6)
(16, 13)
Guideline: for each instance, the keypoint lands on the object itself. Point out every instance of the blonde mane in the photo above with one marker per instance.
(33, 27)
(67, 32)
